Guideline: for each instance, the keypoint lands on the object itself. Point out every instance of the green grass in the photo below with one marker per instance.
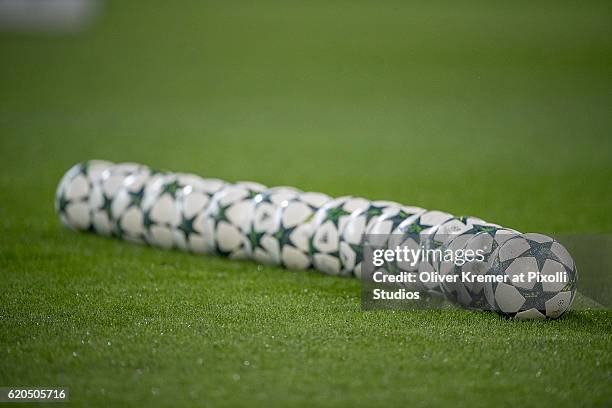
(497, 111)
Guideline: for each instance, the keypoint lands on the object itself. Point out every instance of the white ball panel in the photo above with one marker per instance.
(550, 268)
(132, 221)
(513, 249)
(301, 236)
(194, 203)
(314, 199)
(530, 314)
(161, 236)
(325, 238)
(229, 237)
(164, 210)
(78, 215)
(522, 265)
(77, 188)
(435, 217)
(558, 304)
(327, 264)
(102, 224)
(564, 256)
(239, 214)
(294, 258)
(508, 298)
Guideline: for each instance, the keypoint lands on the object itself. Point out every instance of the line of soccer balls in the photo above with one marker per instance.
(301, 230)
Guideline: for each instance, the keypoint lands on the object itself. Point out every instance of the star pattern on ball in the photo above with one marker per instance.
(540, 252)
(106, 206)
(373, 211)
(147, 221)
(414, 228)
(221, 214)
(171, 188)
(84, 168)
(283, 236)
(264, 198)
(251, 194)
(334, 213)
(62, 203)
(476, 228)
(136, 197)
(402, 215)
(186, 226)
(254, 238)
(358, 249)
(398, 218)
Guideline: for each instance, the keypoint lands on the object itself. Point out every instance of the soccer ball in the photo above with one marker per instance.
(387, 223)
(191, 203)
(127, 213)
(294, 220)
(262, 244)
(329, 222)
(160, 209)
(379, 217)
(475, 250)
(384, 232)
(104, 191)
(228, 217)
(73, 193)
(531, 298)
(439, 236)
(450, 238)
(442, 234)
(412, 233)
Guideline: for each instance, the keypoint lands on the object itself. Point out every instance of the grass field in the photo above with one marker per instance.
(498, 111)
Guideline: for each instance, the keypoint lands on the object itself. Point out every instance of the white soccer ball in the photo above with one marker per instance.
(191, 203)
(526, 298)
(410, 235)
(441, 234)
(104, 191)
(413, 232)
(450, 238)
(472, 251)
(294, 218)
(160, 207)
(329, 222)
(74, 191)
(127, 213)
(384, 232)
(380, 218)
(228, 217)
(262, 244)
